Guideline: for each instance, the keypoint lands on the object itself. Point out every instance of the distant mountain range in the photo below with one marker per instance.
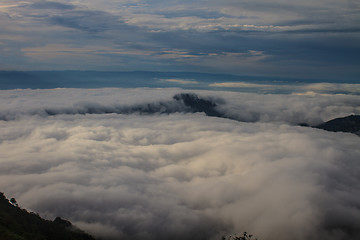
(103, 79)
(18, 224)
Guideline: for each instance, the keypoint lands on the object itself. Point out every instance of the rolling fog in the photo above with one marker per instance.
(101, 159)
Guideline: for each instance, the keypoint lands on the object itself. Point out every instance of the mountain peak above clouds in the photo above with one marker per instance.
(344, 124)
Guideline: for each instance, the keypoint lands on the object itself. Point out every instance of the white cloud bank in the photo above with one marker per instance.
(183, 175)
(314, 88)
(180, 81)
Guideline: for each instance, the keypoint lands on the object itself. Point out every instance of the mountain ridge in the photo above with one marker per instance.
(19, 224)
(349, 124)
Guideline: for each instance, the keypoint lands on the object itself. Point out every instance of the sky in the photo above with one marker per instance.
(101, 159)
(299, 39)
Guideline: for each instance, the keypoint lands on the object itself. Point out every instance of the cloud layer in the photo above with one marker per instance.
(183, 175)
(304, 39)
(292, 109)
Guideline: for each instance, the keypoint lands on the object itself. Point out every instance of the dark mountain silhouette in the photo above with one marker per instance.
(197, 104)
(349, 124)
(18, 224)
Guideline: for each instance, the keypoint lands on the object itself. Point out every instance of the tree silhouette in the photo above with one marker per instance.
(13, 202)
(245, 236)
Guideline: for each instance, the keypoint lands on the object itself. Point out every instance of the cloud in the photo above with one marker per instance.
(239, 85)
(206, 36)
(92, 21)
(313, 88)
(247, 107)
(333, 87)
(183, 175)
(52, 5)
(180, 81)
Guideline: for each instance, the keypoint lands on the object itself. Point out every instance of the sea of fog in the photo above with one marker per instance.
(137, 163)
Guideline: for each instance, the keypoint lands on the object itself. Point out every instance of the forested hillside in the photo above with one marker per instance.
(18, 224)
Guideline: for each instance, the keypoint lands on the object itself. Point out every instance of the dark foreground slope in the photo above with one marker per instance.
(18, 224)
